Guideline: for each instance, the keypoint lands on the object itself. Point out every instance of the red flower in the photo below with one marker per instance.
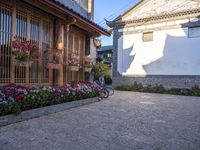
(19, 97)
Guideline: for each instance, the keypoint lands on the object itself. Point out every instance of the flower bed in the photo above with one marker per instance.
(194, 91)
(15, 98)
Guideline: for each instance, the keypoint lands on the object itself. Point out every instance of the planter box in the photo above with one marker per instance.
(74, 68)
(21, 63)
(38, 112)
(87, 69)
(53, 66)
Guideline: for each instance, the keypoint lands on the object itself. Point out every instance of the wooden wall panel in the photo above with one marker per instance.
(18, 18)
(76, 43)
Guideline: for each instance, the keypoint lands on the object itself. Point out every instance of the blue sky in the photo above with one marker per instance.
(109, 9)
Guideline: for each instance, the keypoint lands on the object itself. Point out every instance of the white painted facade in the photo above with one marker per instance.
(171, 52)
(159, 7)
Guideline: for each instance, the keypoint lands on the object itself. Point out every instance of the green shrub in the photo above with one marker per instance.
(11, 108)
(194, 91)
(108, 80)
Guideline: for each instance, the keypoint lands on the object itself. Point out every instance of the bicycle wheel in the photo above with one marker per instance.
(110, 90)
(104, 93)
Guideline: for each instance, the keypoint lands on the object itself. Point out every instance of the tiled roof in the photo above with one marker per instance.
(77, 15)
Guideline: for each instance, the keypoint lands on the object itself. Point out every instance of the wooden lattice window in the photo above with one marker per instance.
(70, 50)
(82, 54)
(34, 37)
(21, 31)
(5, 42)
(45, 44)
(76, 50)
(76, 44)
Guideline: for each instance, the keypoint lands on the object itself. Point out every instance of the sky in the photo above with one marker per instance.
(109, 9)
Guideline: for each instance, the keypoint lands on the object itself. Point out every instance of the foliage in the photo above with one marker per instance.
(101, 67)
(14, 98)
(194, 91)
(108, 80)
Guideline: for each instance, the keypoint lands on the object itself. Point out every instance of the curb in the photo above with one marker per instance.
(38, 112)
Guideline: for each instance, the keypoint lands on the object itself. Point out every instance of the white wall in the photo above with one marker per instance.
(170, 53)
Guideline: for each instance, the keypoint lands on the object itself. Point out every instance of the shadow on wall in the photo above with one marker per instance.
(173, 57)
(128, 57)
(180, 54)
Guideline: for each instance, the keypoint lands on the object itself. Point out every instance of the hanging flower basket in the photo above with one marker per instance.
(53, 66)
(54, 52)
(73, 62)
(22, 63)
(74, 68)
(23, 50)
(88, 63)
(87, 69)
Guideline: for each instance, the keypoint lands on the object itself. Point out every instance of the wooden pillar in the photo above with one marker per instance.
(59, 34)
(12, 69)
(67, 51)
(28, 38)
(40, 53)
(51, 45)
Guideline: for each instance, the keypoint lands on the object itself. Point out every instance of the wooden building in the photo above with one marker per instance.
(49, 24)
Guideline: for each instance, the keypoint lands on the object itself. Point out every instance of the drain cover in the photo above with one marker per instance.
(159, 121)
(147, 97)
(148, 103)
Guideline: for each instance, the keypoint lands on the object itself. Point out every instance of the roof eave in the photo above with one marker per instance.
(78, 17)
(118, 18)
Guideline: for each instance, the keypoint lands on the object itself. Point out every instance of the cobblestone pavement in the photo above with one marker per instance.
(126, 121)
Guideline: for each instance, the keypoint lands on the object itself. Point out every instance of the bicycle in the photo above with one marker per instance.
(106, 90)
(104, 93)
(110, 90)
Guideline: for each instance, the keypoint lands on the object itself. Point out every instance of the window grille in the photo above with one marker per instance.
(194, 32)
(148, 37)
(21, 31)
(34, 38)
(45, 45)
(5, 42)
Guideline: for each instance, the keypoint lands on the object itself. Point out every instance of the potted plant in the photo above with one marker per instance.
(74, 62)
(88, 64)
(55, 53)
(23, 50)
(53, 65)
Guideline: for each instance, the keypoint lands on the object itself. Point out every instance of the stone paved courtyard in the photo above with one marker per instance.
(126, 121)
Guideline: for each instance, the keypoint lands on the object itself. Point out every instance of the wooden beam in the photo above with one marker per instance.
(60, 45)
